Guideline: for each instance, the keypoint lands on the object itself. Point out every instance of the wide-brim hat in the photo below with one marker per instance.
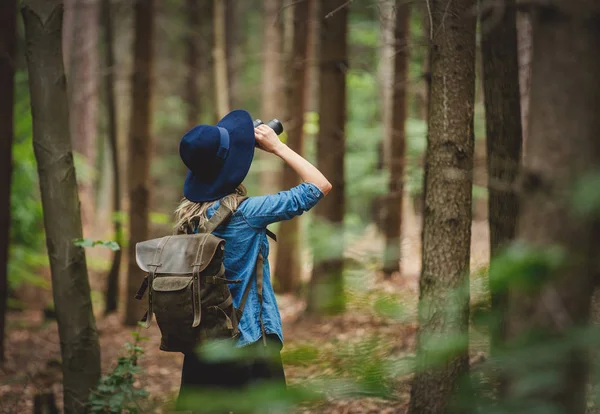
(218, 157)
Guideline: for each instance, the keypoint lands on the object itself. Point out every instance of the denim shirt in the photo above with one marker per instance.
(245, 235)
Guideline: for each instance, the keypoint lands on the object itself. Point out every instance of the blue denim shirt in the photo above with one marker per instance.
(245, 236)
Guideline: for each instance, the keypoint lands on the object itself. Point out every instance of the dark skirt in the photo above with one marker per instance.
(202, 376)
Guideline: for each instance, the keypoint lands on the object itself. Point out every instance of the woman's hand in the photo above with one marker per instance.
(267, 139)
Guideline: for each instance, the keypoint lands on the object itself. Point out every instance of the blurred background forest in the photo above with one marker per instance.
(452, 267)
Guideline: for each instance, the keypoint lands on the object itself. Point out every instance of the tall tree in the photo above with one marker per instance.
(112, 282)
(80, 42)
(525, 45)
(503, 139)
(140, 148)
(8, 52)
(444, 282)
(272, 85)
(193, 43)
(220, 59)
(562, 149)
(397, 139)
(326, 285)
(62, 220)
(288, 254)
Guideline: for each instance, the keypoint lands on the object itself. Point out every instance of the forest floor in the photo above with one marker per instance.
(33, 360)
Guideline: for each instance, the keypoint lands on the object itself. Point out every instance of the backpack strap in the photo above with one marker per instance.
(259, 289)
(221, 215)
(151, 273)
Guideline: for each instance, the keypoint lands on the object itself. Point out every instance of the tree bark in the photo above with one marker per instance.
(562, 148)
(140, 148)
(112, 286)
(62, 220)
(326, 286)
(81, 43)
(397, 139)
(193, 43)
(272, 87)
(444, 282)
(504, 143)
(234, 26)
(288, 250)
(8, 55)
(220, 59)
(525, 45)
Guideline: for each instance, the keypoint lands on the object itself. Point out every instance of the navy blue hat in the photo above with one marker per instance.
(218, 157)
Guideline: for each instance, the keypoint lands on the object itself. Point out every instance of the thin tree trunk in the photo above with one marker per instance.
(62, 220)
(504, 143)
(562, 148)
(397, 139)
(192, 45)
(386, 75)
(234, 26)
(220, 57)
(272, 87)
(288, 252)
(140, 148)
(8, 54)
(444, 282)
(326, 286)
(112, 286)
(525, 45)
(81, 41)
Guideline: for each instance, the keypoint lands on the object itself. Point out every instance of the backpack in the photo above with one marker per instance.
(187, 289)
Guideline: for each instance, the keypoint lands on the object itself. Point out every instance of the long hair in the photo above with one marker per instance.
(191, 215)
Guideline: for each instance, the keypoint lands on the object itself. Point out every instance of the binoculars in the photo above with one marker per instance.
(275, 125)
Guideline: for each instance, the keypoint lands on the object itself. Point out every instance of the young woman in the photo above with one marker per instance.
(218, 158)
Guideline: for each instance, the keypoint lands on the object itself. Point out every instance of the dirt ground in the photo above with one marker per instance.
(33, 360)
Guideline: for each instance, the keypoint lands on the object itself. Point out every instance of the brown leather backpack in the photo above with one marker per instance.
(187, 289)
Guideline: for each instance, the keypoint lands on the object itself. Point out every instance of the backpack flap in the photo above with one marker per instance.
(176, 255)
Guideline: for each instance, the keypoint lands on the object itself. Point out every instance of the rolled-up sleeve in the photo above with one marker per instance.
(264, 210)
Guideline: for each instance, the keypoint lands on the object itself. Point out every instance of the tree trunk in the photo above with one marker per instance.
(386, 73)
(81, 42)
(44, 403)
(444, 282)
(272, 87)
(525, 45)
(503, 140)
(397, 140)
(562, 148)
(140, 148)
(234, 23)
(326, 292)
(193, 43)
(220, 58)
(62, 220)
(288, 252)
(112, 286)
(8, 55)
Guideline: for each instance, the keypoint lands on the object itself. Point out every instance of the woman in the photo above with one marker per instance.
(218, 158)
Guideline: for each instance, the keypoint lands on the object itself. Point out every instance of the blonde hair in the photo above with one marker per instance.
(190, 214)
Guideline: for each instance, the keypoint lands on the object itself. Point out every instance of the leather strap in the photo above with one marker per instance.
(140, 293)
(259, 289)
(151, 274)
(196, 288)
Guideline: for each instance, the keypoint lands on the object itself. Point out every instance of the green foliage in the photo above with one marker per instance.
(87, 243)
(115, 392)
(525, 268)
(364, 182)
(27, 253)
(586, 197)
